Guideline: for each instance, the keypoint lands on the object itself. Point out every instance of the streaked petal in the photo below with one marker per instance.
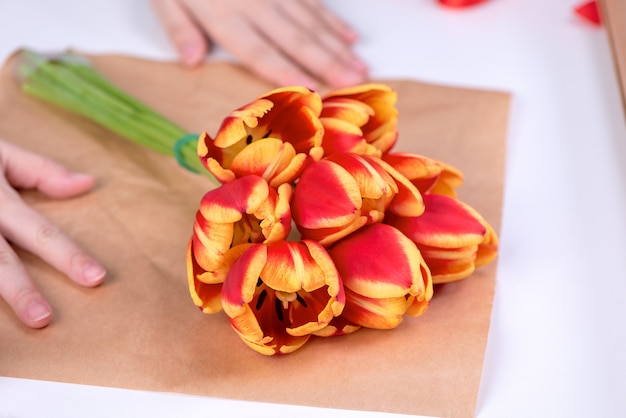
(378, 261)
(236, 126)
(422, 171)
(337, 327)
(380, 130)
(220, 173)
(218, 275)
(418, 304)
(373, 181)
(275, 214)
(206, 296)
(448, 181)
(341, 136)
(445, 223)
(210, 242)
(378, 313)
(270, 158)
(227, 203)
(239, 287)
(328, 236)
(488, 248)
(353, 111)
(325, 196)
(294, 118)
(408, 200)
(447, 265)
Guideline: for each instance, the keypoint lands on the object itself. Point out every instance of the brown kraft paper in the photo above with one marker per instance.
(140, 329)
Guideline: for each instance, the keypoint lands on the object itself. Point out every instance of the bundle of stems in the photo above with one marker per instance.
(69, 81)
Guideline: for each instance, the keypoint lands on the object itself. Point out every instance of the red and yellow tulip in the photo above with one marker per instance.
(272, 137)
(449, 234)
(360, 119)
(384, 275)
(339, 194)
(277, 295)
(236, 214)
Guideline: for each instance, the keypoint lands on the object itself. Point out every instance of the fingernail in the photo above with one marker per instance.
(359, 66)
(350, 35)
(306, 82)
(81, 176)
(349, 78)
(38, 311)
(191, 53)
(93, 273)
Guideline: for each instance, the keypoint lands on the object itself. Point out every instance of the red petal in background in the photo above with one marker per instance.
(460, 3)
(589, 11)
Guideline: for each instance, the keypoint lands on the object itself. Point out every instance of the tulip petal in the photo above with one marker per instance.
(227, 203)
(220, 173)
(210, 242)
(378, 261)
(342, 136)
(325, 196)
(448, 234)
(293, 118)
(445, 223)
(352, 111)
(376, 186)
(448, 181)
(328, 236)
(337, 327)
(447, 265)
(373, 181)
(380, 130)
(235, 127)
(378, 313)
(275, 214)
(270, 158)
(206, 296)
(218, 275)
(408, 200)
(422, 171)
(488, 248)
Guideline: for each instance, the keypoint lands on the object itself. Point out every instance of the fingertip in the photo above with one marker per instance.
(82, 181)
(303, 80)
(346, 79)
(38, 314)
(92, 273)
(64, 184)
(192, 52)
(359, 66)
(350, 35)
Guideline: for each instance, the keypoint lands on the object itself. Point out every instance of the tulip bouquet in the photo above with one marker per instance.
(319, 227)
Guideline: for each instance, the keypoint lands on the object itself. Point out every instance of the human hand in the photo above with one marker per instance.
(295, 42)
(20, 225)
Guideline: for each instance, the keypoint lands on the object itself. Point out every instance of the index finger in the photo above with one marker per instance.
(19, 291)
(26, 228)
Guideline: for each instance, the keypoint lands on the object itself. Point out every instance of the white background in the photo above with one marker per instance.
(557, 343)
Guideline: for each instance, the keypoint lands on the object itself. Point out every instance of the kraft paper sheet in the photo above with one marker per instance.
(140, 329)
(613, 14)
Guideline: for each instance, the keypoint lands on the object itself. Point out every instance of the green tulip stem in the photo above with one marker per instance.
(69, 81)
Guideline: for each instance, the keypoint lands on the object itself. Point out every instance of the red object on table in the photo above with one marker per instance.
(589, 11)
(460, 3)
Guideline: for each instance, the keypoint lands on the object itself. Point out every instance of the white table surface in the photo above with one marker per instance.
(557, 341)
